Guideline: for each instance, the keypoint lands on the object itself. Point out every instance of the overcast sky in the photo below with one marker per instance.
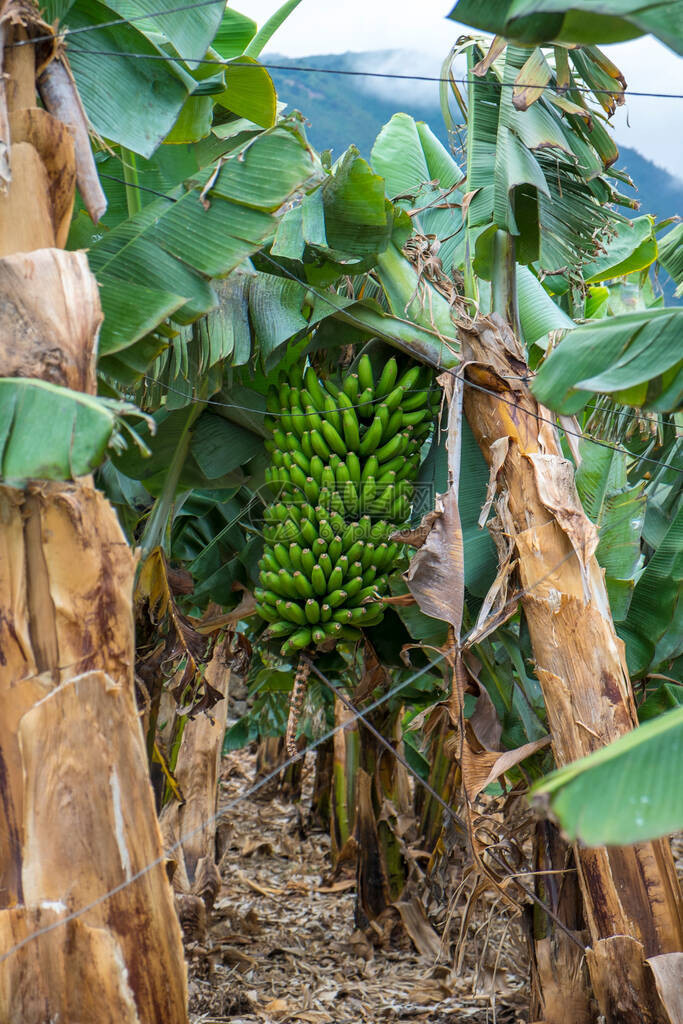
(652, 126)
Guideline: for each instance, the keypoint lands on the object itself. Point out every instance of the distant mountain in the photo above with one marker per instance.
(344, 109)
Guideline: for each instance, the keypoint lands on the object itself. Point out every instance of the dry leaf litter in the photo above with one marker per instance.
(281, 945)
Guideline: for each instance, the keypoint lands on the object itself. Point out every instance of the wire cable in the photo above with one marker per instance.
(304, 69)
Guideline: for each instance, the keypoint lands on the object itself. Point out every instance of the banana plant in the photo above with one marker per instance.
(579, 21)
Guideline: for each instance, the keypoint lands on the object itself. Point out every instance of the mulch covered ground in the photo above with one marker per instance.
(282, 946)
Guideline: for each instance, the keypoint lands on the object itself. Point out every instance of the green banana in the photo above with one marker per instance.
(270, 562)
(299, 459)
(355, 551)
(410, 378)
(291, 612)
(282, 556)
(370, 468)
(355, 569)
(318, 635)
(281, 628)
(334, 548)
(336, 579)
(267, 612)
(319, 547)
(351, 387)
(316, 469)
(331, 410)
(307, 562)
(368, 555)
(311, 489)
(353, 586)
(391, 448)
(364, 405)
(411, 419)
(333, 439)
(365, 375)
(342, 564)
(351, 430)
(300, 639)
(306, 446)
(295, 556)
(372, 437)
(312, 611)
(314, 387)
(387, 378)
(301, 585)
(325, 531)
(416, 400)
(308, 532)
(353, 466)
(320, 447)
(319, 581)
(380, 531)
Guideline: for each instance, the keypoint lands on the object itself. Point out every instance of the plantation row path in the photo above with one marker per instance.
(281, 944)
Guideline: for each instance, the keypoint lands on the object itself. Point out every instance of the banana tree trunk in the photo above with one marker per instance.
(77, 818)
(196, 879)
(631, 895)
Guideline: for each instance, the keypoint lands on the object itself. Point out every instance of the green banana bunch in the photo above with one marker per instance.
(344, 457)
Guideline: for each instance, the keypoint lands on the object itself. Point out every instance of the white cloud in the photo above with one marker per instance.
(335, 26)
(422, 31)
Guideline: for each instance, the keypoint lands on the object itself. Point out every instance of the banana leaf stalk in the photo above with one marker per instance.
(344, 772)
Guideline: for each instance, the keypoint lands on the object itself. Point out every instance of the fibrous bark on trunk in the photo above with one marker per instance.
(629, 892)
(189, 828)
(87, 923)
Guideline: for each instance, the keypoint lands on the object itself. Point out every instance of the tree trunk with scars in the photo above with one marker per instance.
(77, 817)
(632, 900)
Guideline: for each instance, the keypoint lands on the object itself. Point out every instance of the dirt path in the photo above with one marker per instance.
(282, 946)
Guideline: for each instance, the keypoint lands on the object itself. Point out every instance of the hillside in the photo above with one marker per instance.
(344, 110)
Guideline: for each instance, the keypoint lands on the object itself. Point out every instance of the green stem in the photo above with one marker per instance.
(504, 279)
(470, 282)
(130, 176)
(264, 34)
(154, 534)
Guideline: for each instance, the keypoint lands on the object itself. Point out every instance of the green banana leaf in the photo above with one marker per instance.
(52, 433)
(628, 792)
(217, 452)
(179, 93)
(536, 173)
(671, 255)
(653, 628)
(635, 357)
(107, 78)
(576, 21)
(618, 511)
(633, 248)
(161, 261)
(415, 165)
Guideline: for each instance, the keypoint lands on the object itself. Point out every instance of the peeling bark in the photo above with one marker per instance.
(192, 824)
(78, 830)
(50, 314)
(59, 94)
(630, 892)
